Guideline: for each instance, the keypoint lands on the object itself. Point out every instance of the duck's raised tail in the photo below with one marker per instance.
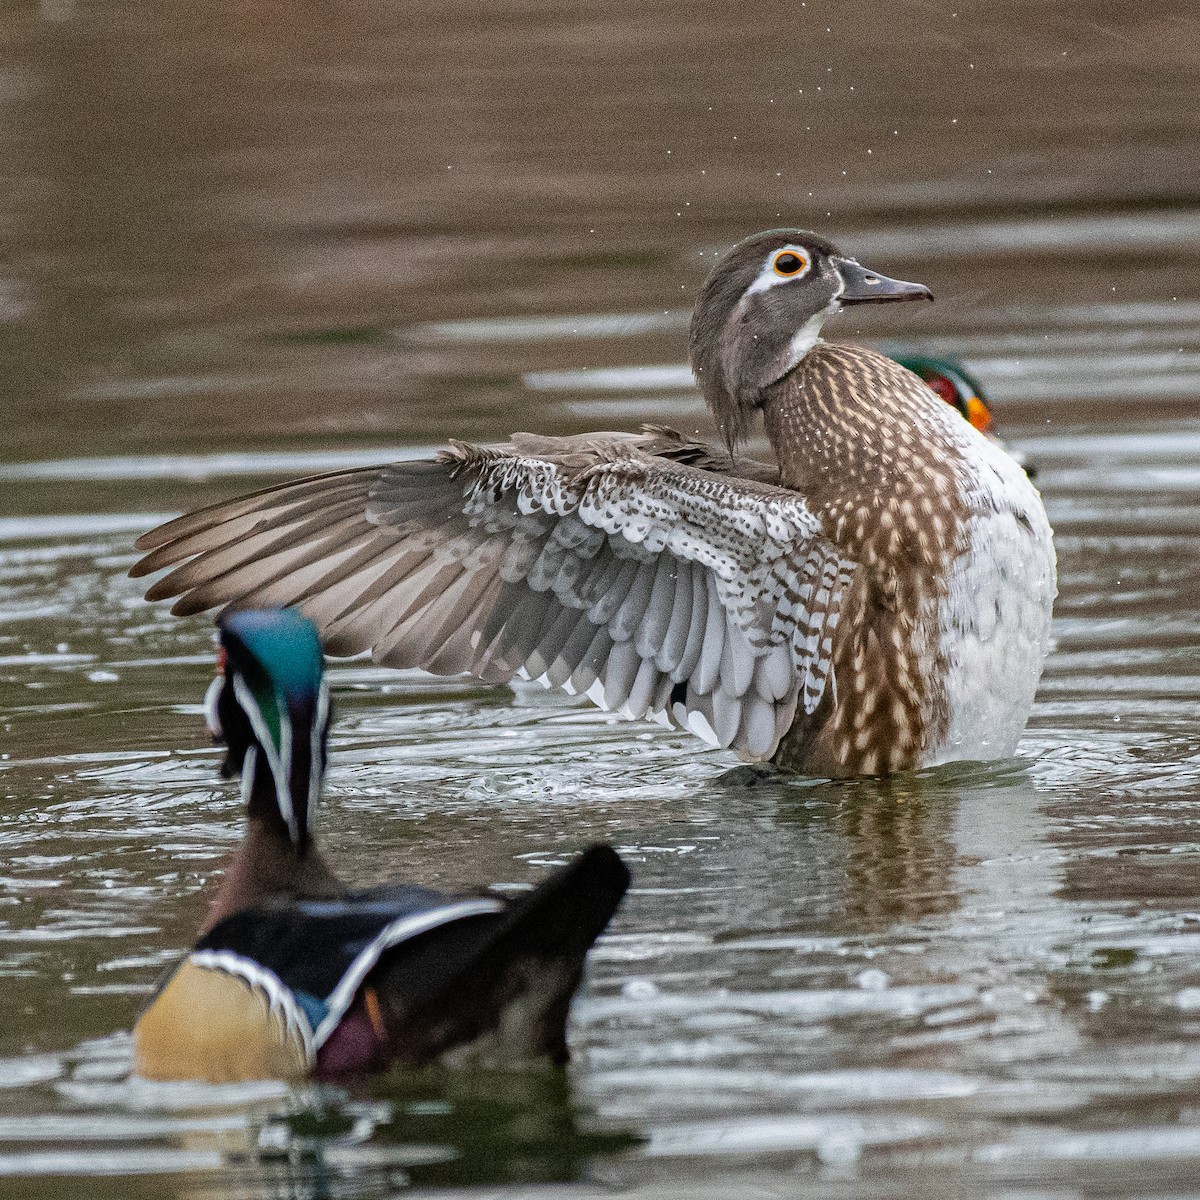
(499, 989)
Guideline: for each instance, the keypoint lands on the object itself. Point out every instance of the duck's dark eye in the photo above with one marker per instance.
(789, 263)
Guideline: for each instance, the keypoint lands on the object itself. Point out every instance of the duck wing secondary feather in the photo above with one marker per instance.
(659, 589)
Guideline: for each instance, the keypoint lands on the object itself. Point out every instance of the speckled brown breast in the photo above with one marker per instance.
(863, 440)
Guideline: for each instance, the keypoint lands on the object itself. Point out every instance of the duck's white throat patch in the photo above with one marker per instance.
(809, 334)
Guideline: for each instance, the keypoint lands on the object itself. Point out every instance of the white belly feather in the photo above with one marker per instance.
(995, 617)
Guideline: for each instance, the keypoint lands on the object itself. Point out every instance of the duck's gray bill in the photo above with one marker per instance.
(864, 286)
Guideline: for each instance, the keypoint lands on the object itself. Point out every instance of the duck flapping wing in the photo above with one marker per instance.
(638, 569)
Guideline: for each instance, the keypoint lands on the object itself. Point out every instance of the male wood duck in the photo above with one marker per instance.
(295, 975)
(877, 600)
(948, 378)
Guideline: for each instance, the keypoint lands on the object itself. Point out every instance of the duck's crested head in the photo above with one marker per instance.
(270, 706)
(761, 310)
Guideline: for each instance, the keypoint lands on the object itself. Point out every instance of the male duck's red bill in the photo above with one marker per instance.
(294, 975)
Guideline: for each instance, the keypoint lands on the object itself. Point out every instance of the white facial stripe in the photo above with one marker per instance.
(769, 278)
(211, 719)
(285, 763)
(249, 766)
(283, 796)
(314, 765)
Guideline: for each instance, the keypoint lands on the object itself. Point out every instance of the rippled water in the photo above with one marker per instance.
(332, 243)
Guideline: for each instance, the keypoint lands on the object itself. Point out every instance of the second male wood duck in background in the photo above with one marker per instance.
(948, 378)
(294, 974)
(878, 601)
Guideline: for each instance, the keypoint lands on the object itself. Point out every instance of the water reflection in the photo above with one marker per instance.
(901, 859)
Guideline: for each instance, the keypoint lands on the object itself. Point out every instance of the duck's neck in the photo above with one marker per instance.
(874, 456)
(269, 865)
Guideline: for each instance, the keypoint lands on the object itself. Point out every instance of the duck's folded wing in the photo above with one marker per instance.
(322, 950)
(657, 588)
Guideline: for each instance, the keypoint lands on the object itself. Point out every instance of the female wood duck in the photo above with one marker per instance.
(295, 975)
(948, 378)
(879, 600)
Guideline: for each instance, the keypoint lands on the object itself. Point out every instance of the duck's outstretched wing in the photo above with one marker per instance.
(658, 588)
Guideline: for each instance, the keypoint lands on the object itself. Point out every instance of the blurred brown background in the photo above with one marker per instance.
(231, 224)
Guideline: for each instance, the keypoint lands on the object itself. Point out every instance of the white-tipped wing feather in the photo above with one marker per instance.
(660, 590)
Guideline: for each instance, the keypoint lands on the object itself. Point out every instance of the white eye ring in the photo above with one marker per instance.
(793, 272)
(770, 276)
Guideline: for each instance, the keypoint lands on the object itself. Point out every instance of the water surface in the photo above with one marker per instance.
(244, 245)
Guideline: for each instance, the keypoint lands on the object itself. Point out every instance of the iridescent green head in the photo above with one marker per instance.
(950, 380)
(270, 706)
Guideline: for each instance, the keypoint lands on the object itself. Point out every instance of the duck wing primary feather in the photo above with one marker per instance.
(658, 588)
